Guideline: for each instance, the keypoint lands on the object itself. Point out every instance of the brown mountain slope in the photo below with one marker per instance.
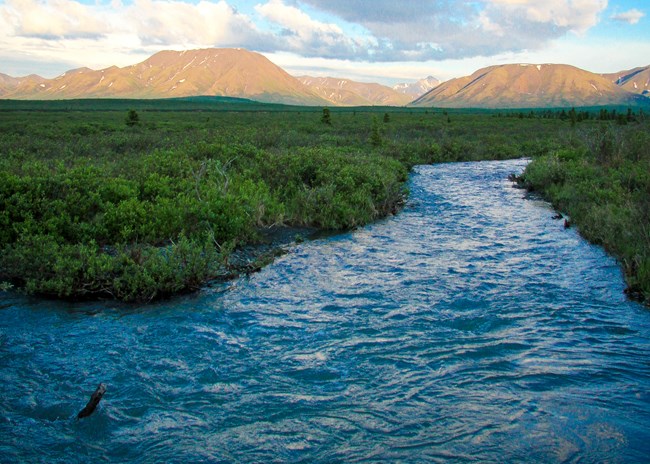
(526, 86)
(344, 92)
(167, 74)
(9, 84)
(7, 81)
(635, 80)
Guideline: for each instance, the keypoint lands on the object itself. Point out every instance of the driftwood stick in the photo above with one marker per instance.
(95, 398)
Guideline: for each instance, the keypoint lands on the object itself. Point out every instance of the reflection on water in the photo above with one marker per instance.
(470, 327)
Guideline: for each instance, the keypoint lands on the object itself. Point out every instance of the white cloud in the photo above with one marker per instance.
(385, 30)
(488, 25)
(161, 22)
(179, 23)
(53, 19)
(295, 20)
(102, 34)
(440, 29)
(302, 34)
(632, 16)
(574, 15)
(358, 38)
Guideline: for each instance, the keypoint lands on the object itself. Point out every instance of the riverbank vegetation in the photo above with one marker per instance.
(602, 181)
(137, 203)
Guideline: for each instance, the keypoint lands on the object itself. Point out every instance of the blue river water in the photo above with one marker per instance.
(470, 327)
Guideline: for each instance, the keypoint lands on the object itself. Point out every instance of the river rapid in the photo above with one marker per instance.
(470, 327)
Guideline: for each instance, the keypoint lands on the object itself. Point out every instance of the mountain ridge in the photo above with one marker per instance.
(636, 80)
(239, 73)
(168, 74)
(524, 85)
(419, 88)
(346, 92)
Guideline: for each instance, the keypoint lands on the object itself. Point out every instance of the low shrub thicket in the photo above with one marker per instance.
(603, 184)
(91, 206)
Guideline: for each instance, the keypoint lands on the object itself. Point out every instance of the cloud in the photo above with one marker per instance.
(382, 30)
(566, 15)
(121, 32)
(111, 32)
(299, 33)
(156, 24)
(53, 19)
(632, 16)
(149, 22)
(444, 29)
(178, 23)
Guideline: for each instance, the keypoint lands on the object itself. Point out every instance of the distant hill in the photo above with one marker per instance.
(417, 89)
(345, 92)
(7, 83)
(238, 73)
(635, 80)
(528, 86)
(168, 74)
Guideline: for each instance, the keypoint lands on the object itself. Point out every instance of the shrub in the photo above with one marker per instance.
(132, 118)
(607, 195)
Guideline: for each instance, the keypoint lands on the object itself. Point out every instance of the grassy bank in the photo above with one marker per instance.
(94, 204)
(602, 181)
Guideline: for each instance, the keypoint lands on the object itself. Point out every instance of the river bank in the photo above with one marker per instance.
(603, 185)
(91, 207)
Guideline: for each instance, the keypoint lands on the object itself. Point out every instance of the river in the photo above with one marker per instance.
(470, 327)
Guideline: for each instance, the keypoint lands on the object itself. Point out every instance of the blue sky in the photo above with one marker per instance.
(385, 41)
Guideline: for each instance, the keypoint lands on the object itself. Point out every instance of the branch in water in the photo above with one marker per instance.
(95, 398)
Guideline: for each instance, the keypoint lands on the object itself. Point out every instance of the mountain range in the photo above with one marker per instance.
(635, 80)
(167, 74)
(344, 92)
(241, 73)
(416, 89)
(528, 86)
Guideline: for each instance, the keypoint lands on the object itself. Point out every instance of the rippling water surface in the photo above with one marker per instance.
(470, 327)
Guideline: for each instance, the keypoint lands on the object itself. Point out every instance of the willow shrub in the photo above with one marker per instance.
(143, 227)
(90, 207)
(334, 188)
(605, 189)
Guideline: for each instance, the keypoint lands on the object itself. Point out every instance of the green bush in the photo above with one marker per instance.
(606, 192)
(90, 207)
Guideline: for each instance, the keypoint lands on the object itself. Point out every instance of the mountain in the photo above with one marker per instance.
(527, 86)
(243, 74)
(344, 92)
(215, 72)
(9, 84)
(635, 80)
(7, 81)
(417, 89)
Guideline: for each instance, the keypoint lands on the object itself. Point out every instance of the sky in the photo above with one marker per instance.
(385, 41)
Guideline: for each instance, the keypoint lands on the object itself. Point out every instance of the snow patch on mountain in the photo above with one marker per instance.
(416, 89)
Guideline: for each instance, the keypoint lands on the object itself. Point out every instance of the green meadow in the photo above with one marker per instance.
(138, 200)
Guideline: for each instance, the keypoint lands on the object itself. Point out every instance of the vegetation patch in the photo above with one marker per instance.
(138, 203)
(602, 181)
